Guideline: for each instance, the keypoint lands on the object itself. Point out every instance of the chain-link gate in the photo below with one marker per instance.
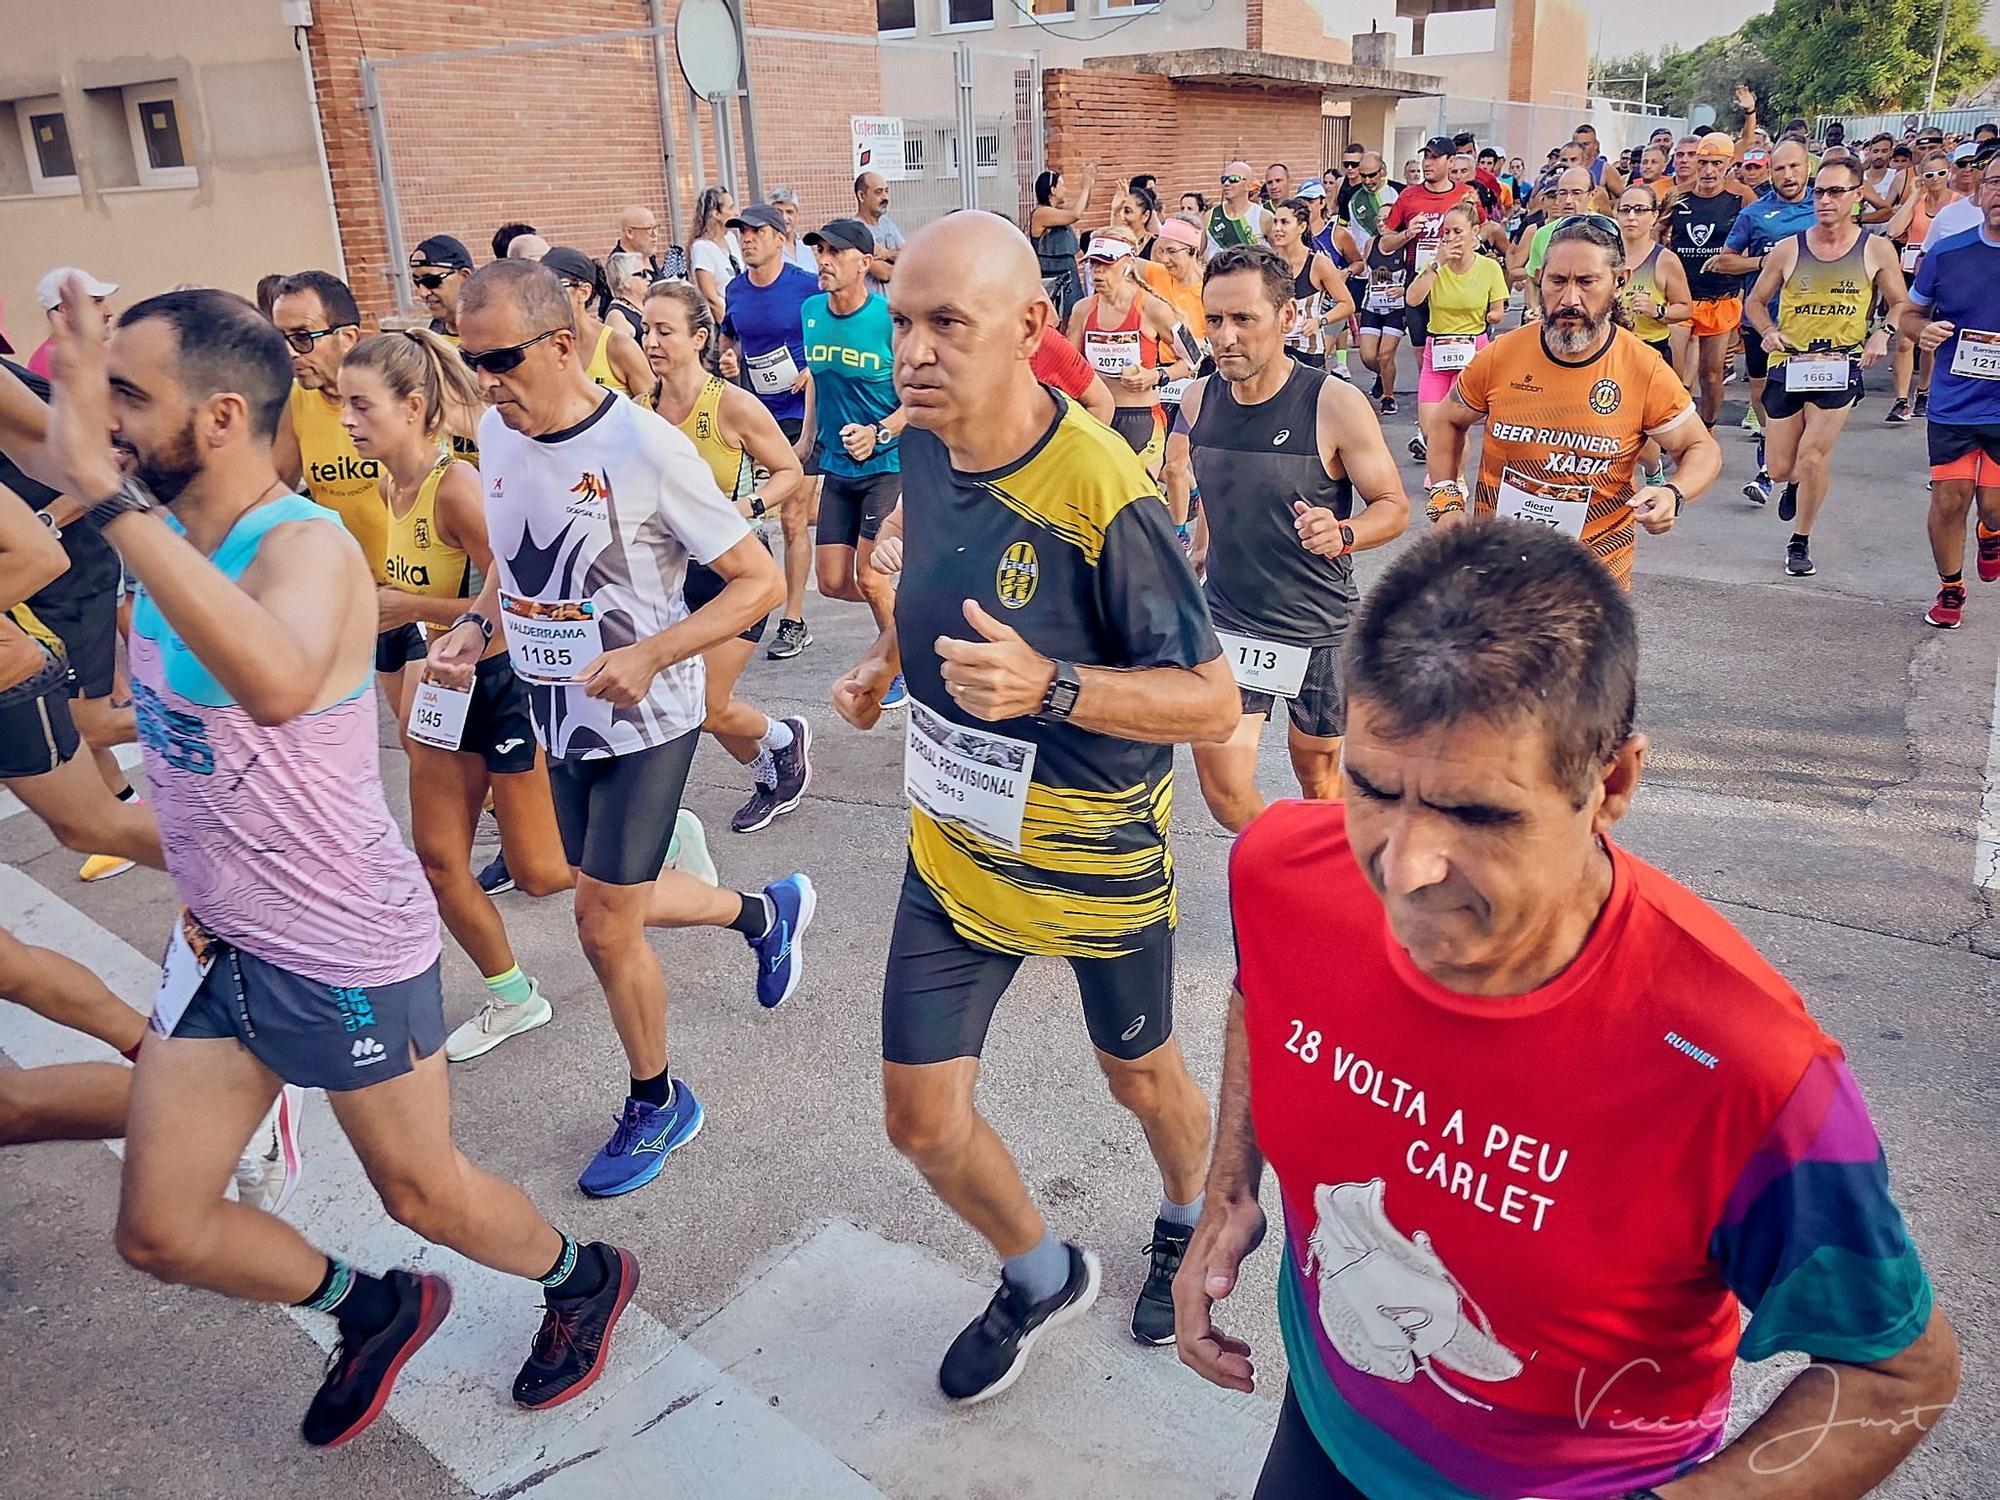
(454, 156)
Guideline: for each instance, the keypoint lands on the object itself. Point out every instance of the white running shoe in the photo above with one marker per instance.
(268, 1171)
(497, 1021)
(689, 851)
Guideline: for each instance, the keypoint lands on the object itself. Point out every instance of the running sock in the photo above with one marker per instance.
(1799, 539)
(1950, 578)
(1040, 1273)
(1987, 533)
(756, 917)
(777, 736)
(656, 1091)
(510, 988)
(130, 794)
(356, 1299)
(764, 770)
(578, 1272)
(1184, 1214)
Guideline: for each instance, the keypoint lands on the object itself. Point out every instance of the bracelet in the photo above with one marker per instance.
(129, 496)
(469, 618)
(1453, 491)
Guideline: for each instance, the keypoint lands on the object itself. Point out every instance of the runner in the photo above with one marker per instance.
(1464, 1252)
(1178, 250)
(1907, 229)
(1655, 295)
(611, 657)
(1411, 225)
(317, 314)
(739, 440)
(1052, 227)
(1787, 210)
(251, 647)
(1123, 333)
(761, 318)
(1279, 451)
(1031, 529)
(1321, 303)
(1236, 220)
(1962, 213)
(1463, 294)
(1567, 403)
(463, 747)
(853, 420)
(438, 268)
(1277, 184)
(1823, 282)
(615, 361)
(1697, 231)
(1954, 315)
(1383, 318)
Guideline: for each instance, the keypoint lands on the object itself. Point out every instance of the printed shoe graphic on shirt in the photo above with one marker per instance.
(1387, 1302)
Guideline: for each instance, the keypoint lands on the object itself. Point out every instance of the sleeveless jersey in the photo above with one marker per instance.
(1227, 231)
(1697, 231)
(1251, 463)
(1645, 278)
(277, 836)
(704, 426)
(1110, 350)
(339, 478)
(419, 561)
(1302, 336)
(599, 369)
(1824, 303)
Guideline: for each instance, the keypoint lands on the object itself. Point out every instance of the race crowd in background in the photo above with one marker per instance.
(1099, 478)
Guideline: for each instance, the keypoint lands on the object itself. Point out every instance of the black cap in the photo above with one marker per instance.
(1440, 145)
(758, 216)
(844, 234)
(571, 264)
(443, 252)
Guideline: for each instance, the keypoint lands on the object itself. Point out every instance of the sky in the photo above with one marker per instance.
(1621, 26)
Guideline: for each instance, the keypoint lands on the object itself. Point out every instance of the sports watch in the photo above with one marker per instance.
(1679, 498)
(469, 618)
(1060, 700)
(1346, 539)
(883, 436)
(130, 495)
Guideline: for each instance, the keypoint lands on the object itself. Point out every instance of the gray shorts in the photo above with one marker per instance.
(1321, 706)
(315, 1035)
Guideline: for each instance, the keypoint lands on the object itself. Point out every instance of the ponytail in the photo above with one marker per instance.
(415, 360)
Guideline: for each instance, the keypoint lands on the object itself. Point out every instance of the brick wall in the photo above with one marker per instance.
(1295, 28)
(562, 138)
(1141, 122)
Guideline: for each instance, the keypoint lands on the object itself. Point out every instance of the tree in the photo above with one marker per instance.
(1677, 79)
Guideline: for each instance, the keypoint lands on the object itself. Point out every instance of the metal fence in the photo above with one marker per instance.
(457, 152)
(1528, 131)
(1951, 121)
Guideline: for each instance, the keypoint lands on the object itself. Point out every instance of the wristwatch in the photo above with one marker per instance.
(1060, 700)
(757, 505)
(1346, 538)
(49, 521)
(883, 436)
(130, 495)
(1679, 498)
(485, 625)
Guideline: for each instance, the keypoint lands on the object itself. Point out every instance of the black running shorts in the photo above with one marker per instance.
(1297, 1463)
(1320, 709)
(617, 812)
(704, 583)
(1387, 322)
(87, 625)
(1949, 442)
(852, 509)
(1780, 403)
(396, 649)
(36, 732)
(939, 990)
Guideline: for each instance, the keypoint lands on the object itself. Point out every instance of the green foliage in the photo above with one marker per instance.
(1809, 57)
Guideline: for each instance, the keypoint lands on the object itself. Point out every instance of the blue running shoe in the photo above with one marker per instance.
(638, 1148)
(793, 902)
(897, 695)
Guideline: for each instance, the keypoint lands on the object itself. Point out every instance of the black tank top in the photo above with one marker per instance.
(1251, 463)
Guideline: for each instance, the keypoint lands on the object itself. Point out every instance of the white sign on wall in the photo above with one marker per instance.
(878, 145)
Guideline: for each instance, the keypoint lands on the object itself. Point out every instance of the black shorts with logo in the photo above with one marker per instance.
(36, 732)
(498, 726)
(940, 989)
(1390, 322)
(617, 812)
(1780, 403)
(703, 584)
(852, 508)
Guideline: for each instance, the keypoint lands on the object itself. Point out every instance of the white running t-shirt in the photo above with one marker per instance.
(600, 519)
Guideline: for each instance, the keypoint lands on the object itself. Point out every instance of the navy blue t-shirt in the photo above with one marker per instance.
(765, 321)
(1959, 283)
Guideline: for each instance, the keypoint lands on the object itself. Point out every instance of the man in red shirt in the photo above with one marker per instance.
(1543, 1122)
(1413, 220)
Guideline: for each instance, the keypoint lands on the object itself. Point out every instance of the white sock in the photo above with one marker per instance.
(763, 770)
(777, 735)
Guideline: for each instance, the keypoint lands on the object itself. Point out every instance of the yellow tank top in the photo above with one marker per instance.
(704, 426)
(1824, 303)
(599, 368)
(1646, 278)
(419, 561)
(339, 478)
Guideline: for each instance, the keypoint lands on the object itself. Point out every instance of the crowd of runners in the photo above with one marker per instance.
(1099, 478)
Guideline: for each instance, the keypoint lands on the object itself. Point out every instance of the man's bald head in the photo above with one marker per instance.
(1789, 166)
(1789, 150)
(1371, 161)
(983, 255)
(1572, 190)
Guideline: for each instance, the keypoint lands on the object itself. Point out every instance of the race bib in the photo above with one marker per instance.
(1561, 508)
(1912, 253)
(1265, 666)
(1977, 355)
(1427, 251)
(191, 952)
(1817, 372)
(967, 777)
(772, 372)
(1384, 296)
(1171, 392)
(551, 640)
(1451, 353)
(1112, 353)
(437, 714)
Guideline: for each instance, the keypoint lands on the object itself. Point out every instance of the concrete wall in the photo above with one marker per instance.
(260, 202)
(1068, 41)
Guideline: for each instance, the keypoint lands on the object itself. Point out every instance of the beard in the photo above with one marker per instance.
(167, 470)
(1573, 333)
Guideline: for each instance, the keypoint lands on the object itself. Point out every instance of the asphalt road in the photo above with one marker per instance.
(1819, 760)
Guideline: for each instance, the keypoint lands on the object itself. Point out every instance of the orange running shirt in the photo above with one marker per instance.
(1561, 436)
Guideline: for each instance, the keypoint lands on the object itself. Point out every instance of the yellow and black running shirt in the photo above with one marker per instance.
(1824, 304)
(1072, 547)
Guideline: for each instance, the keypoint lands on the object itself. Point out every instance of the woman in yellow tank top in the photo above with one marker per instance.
(1655, 296)
(616, 361)
(738, 439)
(397, 389)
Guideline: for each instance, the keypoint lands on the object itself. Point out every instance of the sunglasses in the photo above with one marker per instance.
(1936, 176)
(1375, 176)
(1830, 191)
(1595, 221)
(430, 281)
(1636, 208)
(1230, 179)
(500, 361)
(303, 339)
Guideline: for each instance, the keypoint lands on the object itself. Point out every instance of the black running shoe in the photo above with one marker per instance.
(1377, 392)
(494, 879)
(757, 812)
(987, 1357)
(363, 1367)
(1417, 449)
(1798, 561)
(791, 639)
(1922, 408)
(575, 1337)
(1788, 503)
(1899, 411)
(1388, 406)
(794, 763)
(1153, 1313)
